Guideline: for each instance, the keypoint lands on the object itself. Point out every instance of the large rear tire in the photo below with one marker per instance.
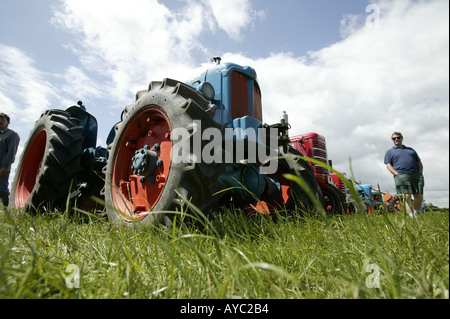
(134, 196)
(49, 162)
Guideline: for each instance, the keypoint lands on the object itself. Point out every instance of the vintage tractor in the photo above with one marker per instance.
(313, 145)
(392, 202)
(368, 198)
(350, 205)
(372, 198)
(179, 145)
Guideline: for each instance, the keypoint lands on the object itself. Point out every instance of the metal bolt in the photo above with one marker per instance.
(156, 147)
(142, 179)
(130, 145)
(159, 163)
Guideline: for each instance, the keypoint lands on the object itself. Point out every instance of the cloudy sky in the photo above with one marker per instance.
(354, 71)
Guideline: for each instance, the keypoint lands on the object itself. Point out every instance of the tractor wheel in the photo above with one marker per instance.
(357, 206)
(292, 195)
(333, 200)
(49, 162)
(143, 178)
(370, 207)
(381, 207)
(395, 204)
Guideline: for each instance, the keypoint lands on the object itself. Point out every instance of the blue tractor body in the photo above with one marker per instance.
(365, 192)
(235, 92)
(94, 157)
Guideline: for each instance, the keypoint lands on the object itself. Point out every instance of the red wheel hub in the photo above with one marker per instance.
(141, 163)
(29, 170)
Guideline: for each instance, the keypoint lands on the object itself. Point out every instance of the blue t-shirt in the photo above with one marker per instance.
(403, 159)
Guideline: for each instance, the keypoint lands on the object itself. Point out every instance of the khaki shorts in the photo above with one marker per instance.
(409, 183)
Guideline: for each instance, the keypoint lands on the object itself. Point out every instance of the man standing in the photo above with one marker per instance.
(9, 141)
(405, 164)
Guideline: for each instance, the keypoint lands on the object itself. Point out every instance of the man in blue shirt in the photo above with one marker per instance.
(9, 141)
(405, 164)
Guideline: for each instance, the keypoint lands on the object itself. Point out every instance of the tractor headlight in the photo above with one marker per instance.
(207, 90)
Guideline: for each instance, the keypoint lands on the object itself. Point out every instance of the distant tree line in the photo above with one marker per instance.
(429, 207)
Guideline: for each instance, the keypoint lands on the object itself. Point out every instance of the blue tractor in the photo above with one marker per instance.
(372, 198)
(199, 143)
(365, 193)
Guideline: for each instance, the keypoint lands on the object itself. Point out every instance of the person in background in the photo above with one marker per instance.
(9, 142)
(405, 164)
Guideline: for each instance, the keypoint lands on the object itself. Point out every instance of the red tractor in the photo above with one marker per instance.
(313, 145)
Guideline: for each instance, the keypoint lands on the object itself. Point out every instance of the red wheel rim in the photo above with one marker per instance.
(329, 203)
(134, 196)
(264, 207)
(369, 209)
(29, 170)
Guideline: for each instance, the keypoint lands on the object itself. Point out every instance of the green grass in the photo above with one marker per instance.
(233, 256)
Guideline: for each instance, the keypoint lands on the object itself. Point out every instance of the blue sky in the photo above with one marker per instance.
(334, 71)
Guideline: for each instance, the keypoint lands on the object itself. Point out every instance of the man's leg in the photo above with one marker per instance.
(403, 184)
(409, 204)
(419, 183)
(418, 199)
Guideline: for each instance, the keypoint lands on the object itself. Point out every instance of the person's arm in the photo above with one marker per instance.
(420, 165)
(12, 145)
(391, 169)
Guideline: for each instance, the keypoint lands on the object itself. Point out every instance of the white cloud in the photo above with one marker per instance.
(133, 42)
(75, 83)
(233, 15)
(24, 90)
(125, 41)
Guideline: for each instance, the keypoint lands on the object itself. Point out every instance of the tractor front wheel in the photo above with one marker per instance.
(146, 178)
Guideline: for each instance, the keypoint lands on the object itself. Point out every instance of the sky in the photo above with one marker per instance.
(353, 71)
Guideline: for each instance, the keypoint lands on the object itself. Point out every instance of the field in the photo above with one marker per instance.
(234, 255)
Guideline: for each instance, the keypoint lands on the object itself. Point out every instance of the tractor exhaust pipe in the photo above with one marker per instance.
(216, 60)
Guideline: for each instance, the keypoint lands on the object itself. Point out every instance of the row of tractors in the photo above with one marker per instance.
(336, 195)
(136, 179)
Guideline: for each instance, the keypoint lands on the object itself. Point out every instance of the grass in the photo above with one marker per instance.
(231, 256)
